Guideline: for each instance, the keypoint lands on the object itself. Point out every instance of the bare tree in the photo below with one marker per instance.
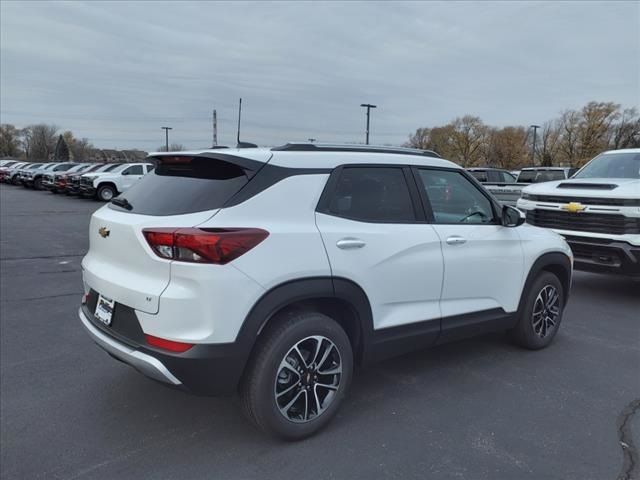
(626, 133)
(39, 141)
(595, 128)
(550, 143)
(468, 138)
(506, 147)
(9, 141)
(80, 149)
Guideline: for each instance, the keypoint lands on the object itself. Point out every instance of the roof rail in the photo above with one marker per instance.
(328, 147)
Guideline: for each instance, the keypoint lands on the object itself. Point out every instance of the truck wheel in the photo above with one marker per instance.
(106, 193)
(541, 314)
(37, 184)
(298, 376)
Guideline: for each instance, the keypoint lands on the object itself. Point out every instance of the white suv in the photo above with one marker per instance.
(275, 271)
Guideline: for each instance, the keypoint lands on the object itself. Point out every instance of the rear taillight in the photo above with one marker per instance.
(219, 246)
(165, 344)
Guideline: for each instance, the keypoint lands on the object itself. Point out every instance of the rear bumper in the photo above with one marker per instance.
(204, 369)
(146, 364)
(604, 256)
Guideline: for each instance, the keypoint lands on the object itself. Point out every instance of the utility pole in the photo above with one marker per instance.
(533, 146)
(215, 129)
(166, 133)
(368, 107)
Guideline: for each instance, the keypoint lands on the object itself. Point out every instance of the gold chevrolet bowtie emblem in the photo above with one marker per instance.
(104, 232)
(573, 207)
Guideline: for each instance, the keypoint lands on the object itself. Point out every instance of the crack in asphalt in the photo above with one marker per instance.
(629, 450)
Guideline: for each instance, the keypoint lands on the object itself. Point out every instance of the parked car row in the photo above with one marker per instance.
(103, 181)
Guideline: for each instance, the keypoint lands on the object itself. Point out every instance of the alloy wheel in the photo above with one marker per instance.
(308, 379)
(546, 311)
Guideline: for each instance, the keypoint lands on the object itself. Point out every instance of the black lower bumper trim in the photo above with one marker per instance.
(204, 369)
(605, 256)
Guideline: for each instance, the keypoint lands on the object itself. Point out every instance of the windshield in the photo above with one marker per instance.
(612, 165)
(110, 167)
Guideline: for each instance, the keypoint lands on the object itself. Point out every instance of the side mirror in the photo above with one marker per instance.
(511, 217)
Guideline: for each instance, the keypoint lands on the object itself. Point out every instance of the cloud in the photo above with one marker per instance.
(115, 72)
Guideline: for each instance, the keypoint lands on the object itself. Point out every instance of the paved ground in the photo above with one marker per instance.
(479, 409)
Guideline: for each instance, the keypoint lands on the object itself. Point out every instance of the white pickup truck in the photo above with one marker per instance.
(597, 211)
(108, 184)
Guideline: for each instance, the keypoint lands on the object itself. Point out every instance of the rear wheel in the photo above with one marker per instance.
(298, 376)
(541, 314)
(106, 193)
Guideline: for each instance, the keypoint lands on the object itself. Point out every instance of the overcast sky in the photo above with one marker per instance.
(116, 72)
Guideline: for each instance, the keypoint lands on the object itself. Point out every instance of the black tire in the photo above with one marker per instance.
(37, 184)
(106, 193)
(533, 331)
(264, 375)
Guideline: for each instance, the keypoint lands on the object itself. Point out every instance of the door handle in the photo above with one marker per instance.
(350, 243)
(456, 240)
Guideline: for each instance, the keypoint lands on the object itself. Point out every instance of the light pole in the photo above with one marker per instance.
(166, 135)
(533, 147)
(368, 106)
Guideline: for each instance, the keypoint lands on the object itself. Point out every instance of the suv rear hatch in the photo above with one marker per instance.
(183, 191)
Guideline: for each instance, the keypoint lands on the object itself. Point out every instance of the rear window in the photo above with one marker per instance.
(180, 185)
(480, 175)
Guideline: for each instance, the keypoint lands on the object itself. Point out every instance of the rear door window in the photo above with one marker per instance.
(184, 184)
(372, 194)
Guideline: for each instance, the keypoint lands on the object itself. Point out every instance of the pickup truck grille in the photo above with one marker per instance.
(615, 202)
(47, 178)
(86, 181)
(584, 222)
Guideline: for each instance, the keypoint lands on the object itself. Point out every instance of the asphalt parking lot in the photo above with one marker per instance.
(478, 409)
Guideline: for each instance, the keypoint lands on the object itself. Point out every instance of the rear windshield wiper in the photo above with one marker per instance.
(122, 202)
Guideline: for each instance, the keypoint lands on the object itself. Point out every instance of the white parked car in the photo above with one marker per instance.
(273, 272)
(597, 211)
(106, 185)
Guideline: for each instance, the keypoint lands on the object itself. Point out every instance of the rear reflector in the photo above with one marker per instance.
(195, 245)
(170, 345)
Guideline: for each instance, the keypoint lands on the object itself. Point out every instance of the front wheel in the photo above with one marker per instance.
(298, 376)
(106, 193)
(541, 314)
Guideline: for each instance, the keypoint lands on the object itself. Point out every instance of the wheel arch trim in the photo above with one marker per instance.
(313, 288)
(552, 262)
